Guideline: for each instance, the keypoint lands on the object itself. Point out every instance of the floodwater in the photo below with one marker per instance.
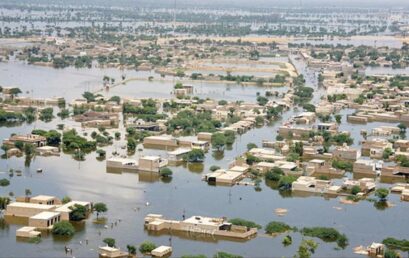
(126, 194)
(71, 83)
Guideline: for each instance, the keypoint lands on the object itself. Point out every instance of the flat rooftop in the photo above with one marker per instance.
(31, 205)
(45, 215)
(42, 198)
(204, 220)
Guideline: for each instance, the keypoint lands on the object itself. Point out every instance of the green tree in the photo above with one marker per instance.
(100, 207)
(109, 241)
(146, 247)
(131, 249)
(19, 145)
(63, 228)
(382, 194)
(243, 222)
(131, 145)
(66, 199)
(338, 118)
(251, 146)
(89, 96)
(306, 248)
(402, 127)
(214, 168)
(226, 255)
(4, 182)
(78, 212)
(165, 172)
(355, 190)
(4, 201)
(195, 155)
(218, 141)
(116, 99)
(287, 240)
(389, 253)
(275, 227)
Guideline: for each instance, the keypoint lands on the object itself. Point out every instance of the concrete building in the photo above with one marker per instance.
(122, 163)
(36, 140)
(322, 167)
(45, 199)
(266, 155)
(374, 148)
(346, 153)
(96, 119)
(152, 163)
(405, 195)
(365, 184)
(198, 224)
(178, 154)
(44, 220)
(48, 151)
(161, 251)
(203, 136)
(224, 177)
(312, 185)
(111, 252)
(161, 140)
(363, 166)
(397, 172)
(27, 232)
(26, 210)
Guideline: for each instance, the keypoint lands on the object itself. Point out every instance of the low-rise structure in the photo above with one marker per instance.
(346, 153)
(36, 140)
(364, 166)
(152, 163)
(111, 252)
(312, 185)
(44, 220)
(27, 232)
(198, 224)
(161, 251)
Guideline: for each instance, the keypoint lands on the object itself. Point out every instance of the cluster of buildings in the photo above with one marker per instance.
(40, 213)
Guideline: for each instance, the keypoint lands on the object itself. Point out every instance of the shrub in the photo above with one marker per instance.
(390, 254)
(355, 190)
(286, 181)
(226, 255)
(287, 240)
(165, 172)
(382, 193)
(146, 247)
(109, 241)
(275, 227)
(394, 243)
(214, 168)
(4, 182)
(326, 234)
(243, 222)
(251, 146)
(63, 228)
(78, 213)
(274, 174)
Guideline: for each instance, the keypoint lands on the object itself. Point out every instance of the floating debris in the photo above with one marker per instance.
(281, 212)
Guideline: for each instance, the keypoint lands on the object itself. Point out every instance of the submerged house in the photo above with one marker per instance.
(40, 212)
(222, 176)
(36, 140)
(198, 224)
(313, 185)
(146, 163)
